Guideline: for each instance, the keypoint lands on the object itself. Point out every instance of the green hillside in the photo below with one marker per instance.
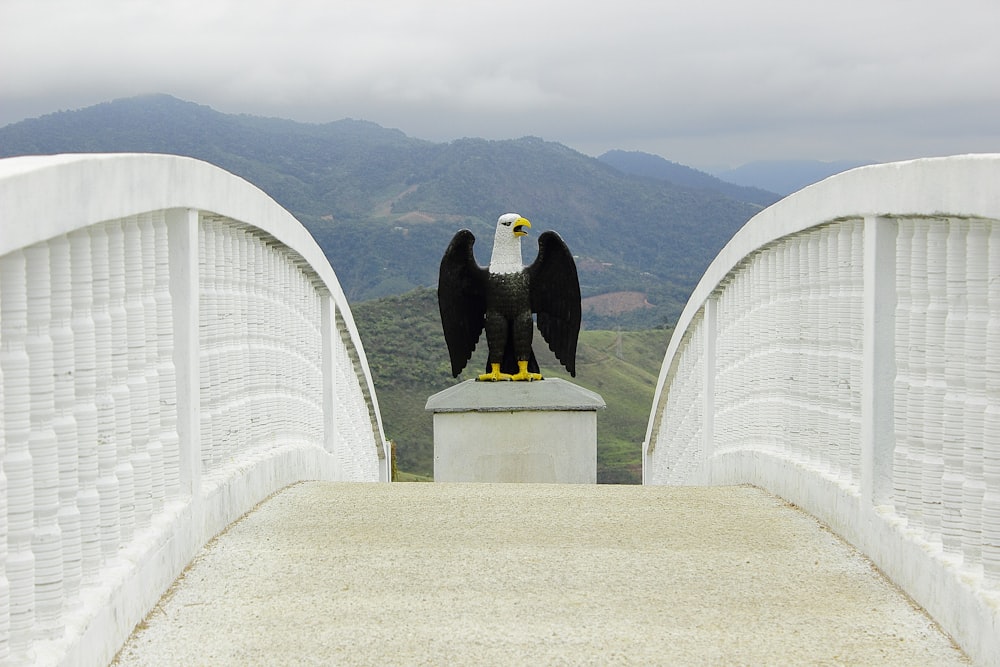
(409, 361)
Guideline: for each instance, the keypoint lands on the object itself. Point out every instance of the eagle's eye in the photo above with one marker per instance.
(507, 223)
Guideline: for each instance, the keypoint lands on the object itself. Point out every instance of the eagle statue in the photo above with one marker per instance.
(502, 297)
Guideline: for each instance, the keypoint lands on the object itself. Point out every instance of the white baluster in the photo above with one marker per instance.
(689, 403)
(797, 330)
(836, 334)
(230, 345)
(241, 349)
(937, 311)
(749, 357)
(221, 427)
(297, 351)
(281, 315)
(280, 372)
(840, 329)
(917, 335)
(806, 444)
(17, 462)
(329, 378)
(817, 283)
(855, 328)
(64, 424)
(781, 307)
(252, 314)
(206, 328)
(823, 449)
(104, 345)
(240, 418)
(151, 368)
(265, 313)
(991, 419)
(836, 415)
(220, 330)
(269, 363)
(85, 409)
(903, 464)
(312, 409)
(315, 390)
(722, 386)
(251, 342)
(185, 355)
(234, 343)
(771, 414)
(4, 583)
(755, 348)
(796, 334)
(808, 441)
(46, 541)
(166, 371)
(773, 356)
(118, 310)
(974, 353)
(303, 355)
(953, 361)
(138, 388)
(723, 369)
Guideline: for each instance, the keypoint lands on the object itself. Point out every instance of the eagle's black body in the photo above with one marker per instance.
(471, 298)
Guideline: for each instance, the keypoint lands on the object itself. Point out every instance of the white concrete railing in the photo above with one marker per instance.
(174, 347)
(843, 351)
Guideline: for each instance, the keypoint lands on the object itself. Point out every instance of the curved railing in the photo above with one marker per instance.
(174, 347)
(843, 351)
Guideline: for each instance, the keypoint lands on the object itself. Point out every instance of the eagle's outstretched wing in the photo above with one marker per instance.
(461, 299)
(555, 296)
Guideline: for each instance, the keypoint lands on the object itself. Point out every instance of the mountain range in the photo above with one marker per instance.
(383, 206)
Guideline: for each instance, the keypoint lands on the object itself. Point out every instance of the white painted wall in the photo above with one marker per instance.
(843, 351)
(174, 347)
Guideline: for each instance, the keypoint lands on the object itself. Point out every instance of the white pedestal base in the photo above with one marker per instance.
(515, 432)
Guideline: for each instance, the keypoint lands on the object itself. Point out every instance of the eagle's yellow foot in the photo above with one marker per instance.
(494, 375)
(523, 374)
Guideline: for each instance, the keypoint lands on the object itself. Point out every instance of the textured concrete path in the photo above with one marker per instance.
(463, 574)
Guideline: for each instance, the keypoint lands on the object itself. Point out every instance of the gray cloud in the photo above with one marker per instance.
(716, 82)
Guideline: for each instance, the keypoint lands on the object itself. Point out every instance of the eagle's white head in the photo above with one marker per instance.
(506, 256)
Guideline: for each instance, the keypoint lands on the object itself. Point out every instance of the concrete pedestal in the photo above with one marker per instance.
(542, 431)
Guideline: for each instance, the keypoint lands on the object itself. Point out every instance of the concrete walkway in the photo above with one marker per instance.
(463, 574)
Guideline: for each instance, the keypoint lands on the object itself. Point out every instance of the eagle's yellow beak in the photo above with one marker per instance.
(519, 226)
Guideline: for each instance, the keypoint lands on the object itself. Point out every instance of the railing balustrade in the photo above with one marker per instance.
(174, 347)
(843, 351)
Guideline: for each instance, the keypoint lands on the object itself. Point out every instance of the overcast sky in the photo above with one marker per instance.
(706, 83)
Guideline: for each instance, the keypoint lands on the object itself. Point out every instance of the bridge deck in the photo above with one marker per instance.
(542, 574)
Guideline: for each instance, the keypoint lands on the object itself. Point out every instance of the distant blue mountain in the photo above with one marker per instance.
(786, 176)
(655, 167)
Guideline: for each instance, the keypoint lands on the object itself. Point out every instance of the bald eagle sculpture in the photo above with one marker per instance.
(502, 297)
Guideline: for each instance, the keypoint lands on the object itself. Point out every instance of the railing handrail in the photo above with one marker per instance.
(843, 352)
(868, 191)
(174, 348)
(108, 186)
